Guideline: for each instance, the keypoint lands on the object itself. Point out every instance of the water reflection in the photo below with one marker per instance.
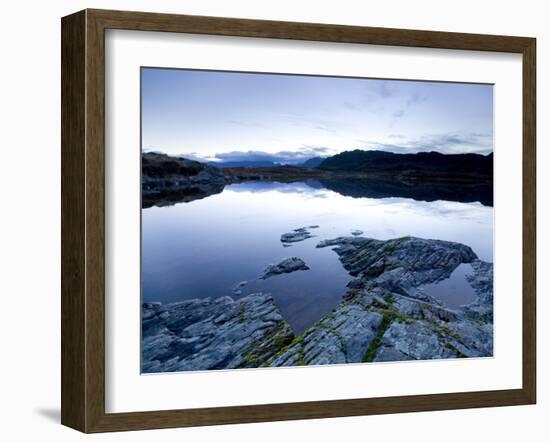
(454, 291)
(464, 192)
(205, 247)
(425, 191)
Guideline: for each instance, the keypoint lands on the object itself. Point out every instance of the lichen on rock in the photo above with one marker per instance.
(383, 316)
(206, 334)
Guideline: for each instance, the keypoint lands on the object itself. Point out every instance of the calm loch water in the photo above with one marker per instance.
(204, 248)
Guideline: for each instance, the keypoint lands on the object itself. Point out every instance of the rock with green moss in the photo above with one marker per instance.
(386, 316)
(206, 334)
(340, 337)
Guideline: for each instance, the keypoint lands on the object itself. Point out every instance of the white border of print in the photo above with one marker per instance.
(127, 390)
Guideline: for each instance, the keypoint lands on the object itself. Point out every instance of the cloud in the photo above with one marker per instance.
(324, 124)
(193, 156)
(372, 96)
(245, 123)
(398, 113)
(386, 89)
(325, 128)
(444, 143)
(385, 96)
(351, 106)
(269, 186)
(416, 98)
(297, 156)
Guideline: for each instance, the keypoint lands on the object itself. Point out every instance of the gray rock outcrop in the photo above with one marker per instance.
(167, 180)
(299, 234)
(287, 265)
(206, 334)
(385, 316)
(237, 289)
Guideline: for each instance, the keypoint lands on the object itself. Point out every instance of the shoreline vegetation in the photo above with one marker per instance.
(168, 180)
(384, 314)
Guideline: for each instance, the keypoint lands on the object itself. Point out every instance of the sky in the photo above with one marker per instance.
(231, 116)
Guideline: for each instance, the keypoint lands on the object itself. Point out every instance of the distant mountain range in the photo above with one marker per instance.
(228, 164)
(426, 176)
(383, 162)
(426, 162)
(312, 162)
(309, 163)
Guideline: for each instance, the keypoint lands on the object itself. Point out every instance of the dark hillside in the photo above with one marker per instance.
(423, 162)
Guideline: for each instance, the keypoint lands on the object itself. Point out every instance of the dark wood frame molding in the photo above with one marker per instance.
(83, 217)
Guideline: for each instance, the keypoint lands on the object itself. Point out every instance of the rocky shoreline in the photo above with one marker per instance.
(168, 180)
(206, 334)
(384, 316)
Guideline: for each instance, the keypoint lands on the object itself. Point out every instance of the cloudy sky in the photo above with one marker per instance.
(241, 116)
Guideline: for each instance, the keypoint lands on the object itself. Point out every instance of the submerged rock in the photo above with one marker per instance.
(206, 334)
(287, 265)
(300, 234)
(237, 288)
(385, 317)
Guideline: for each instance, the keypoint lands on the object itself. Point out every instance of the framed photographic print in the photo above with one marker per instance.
(269, 220)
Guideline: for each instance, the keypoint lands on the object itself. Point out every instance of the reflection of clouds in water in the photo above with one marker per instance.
(445, 209)
(393, 206)
(319, 195)
(270, 186)
(464, 211)
(246, 220)
(236, 234)
(300, 188)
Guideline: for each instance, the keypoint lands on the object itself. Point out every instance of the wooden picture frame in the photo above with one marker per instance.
(83, 220)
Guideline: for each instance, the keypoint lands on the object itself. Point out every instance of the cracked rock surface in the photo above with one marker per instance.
(206, 334)
(384, 316)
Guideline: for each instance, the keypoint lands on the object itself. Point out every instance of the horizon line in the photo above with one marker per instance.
(191, 154)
